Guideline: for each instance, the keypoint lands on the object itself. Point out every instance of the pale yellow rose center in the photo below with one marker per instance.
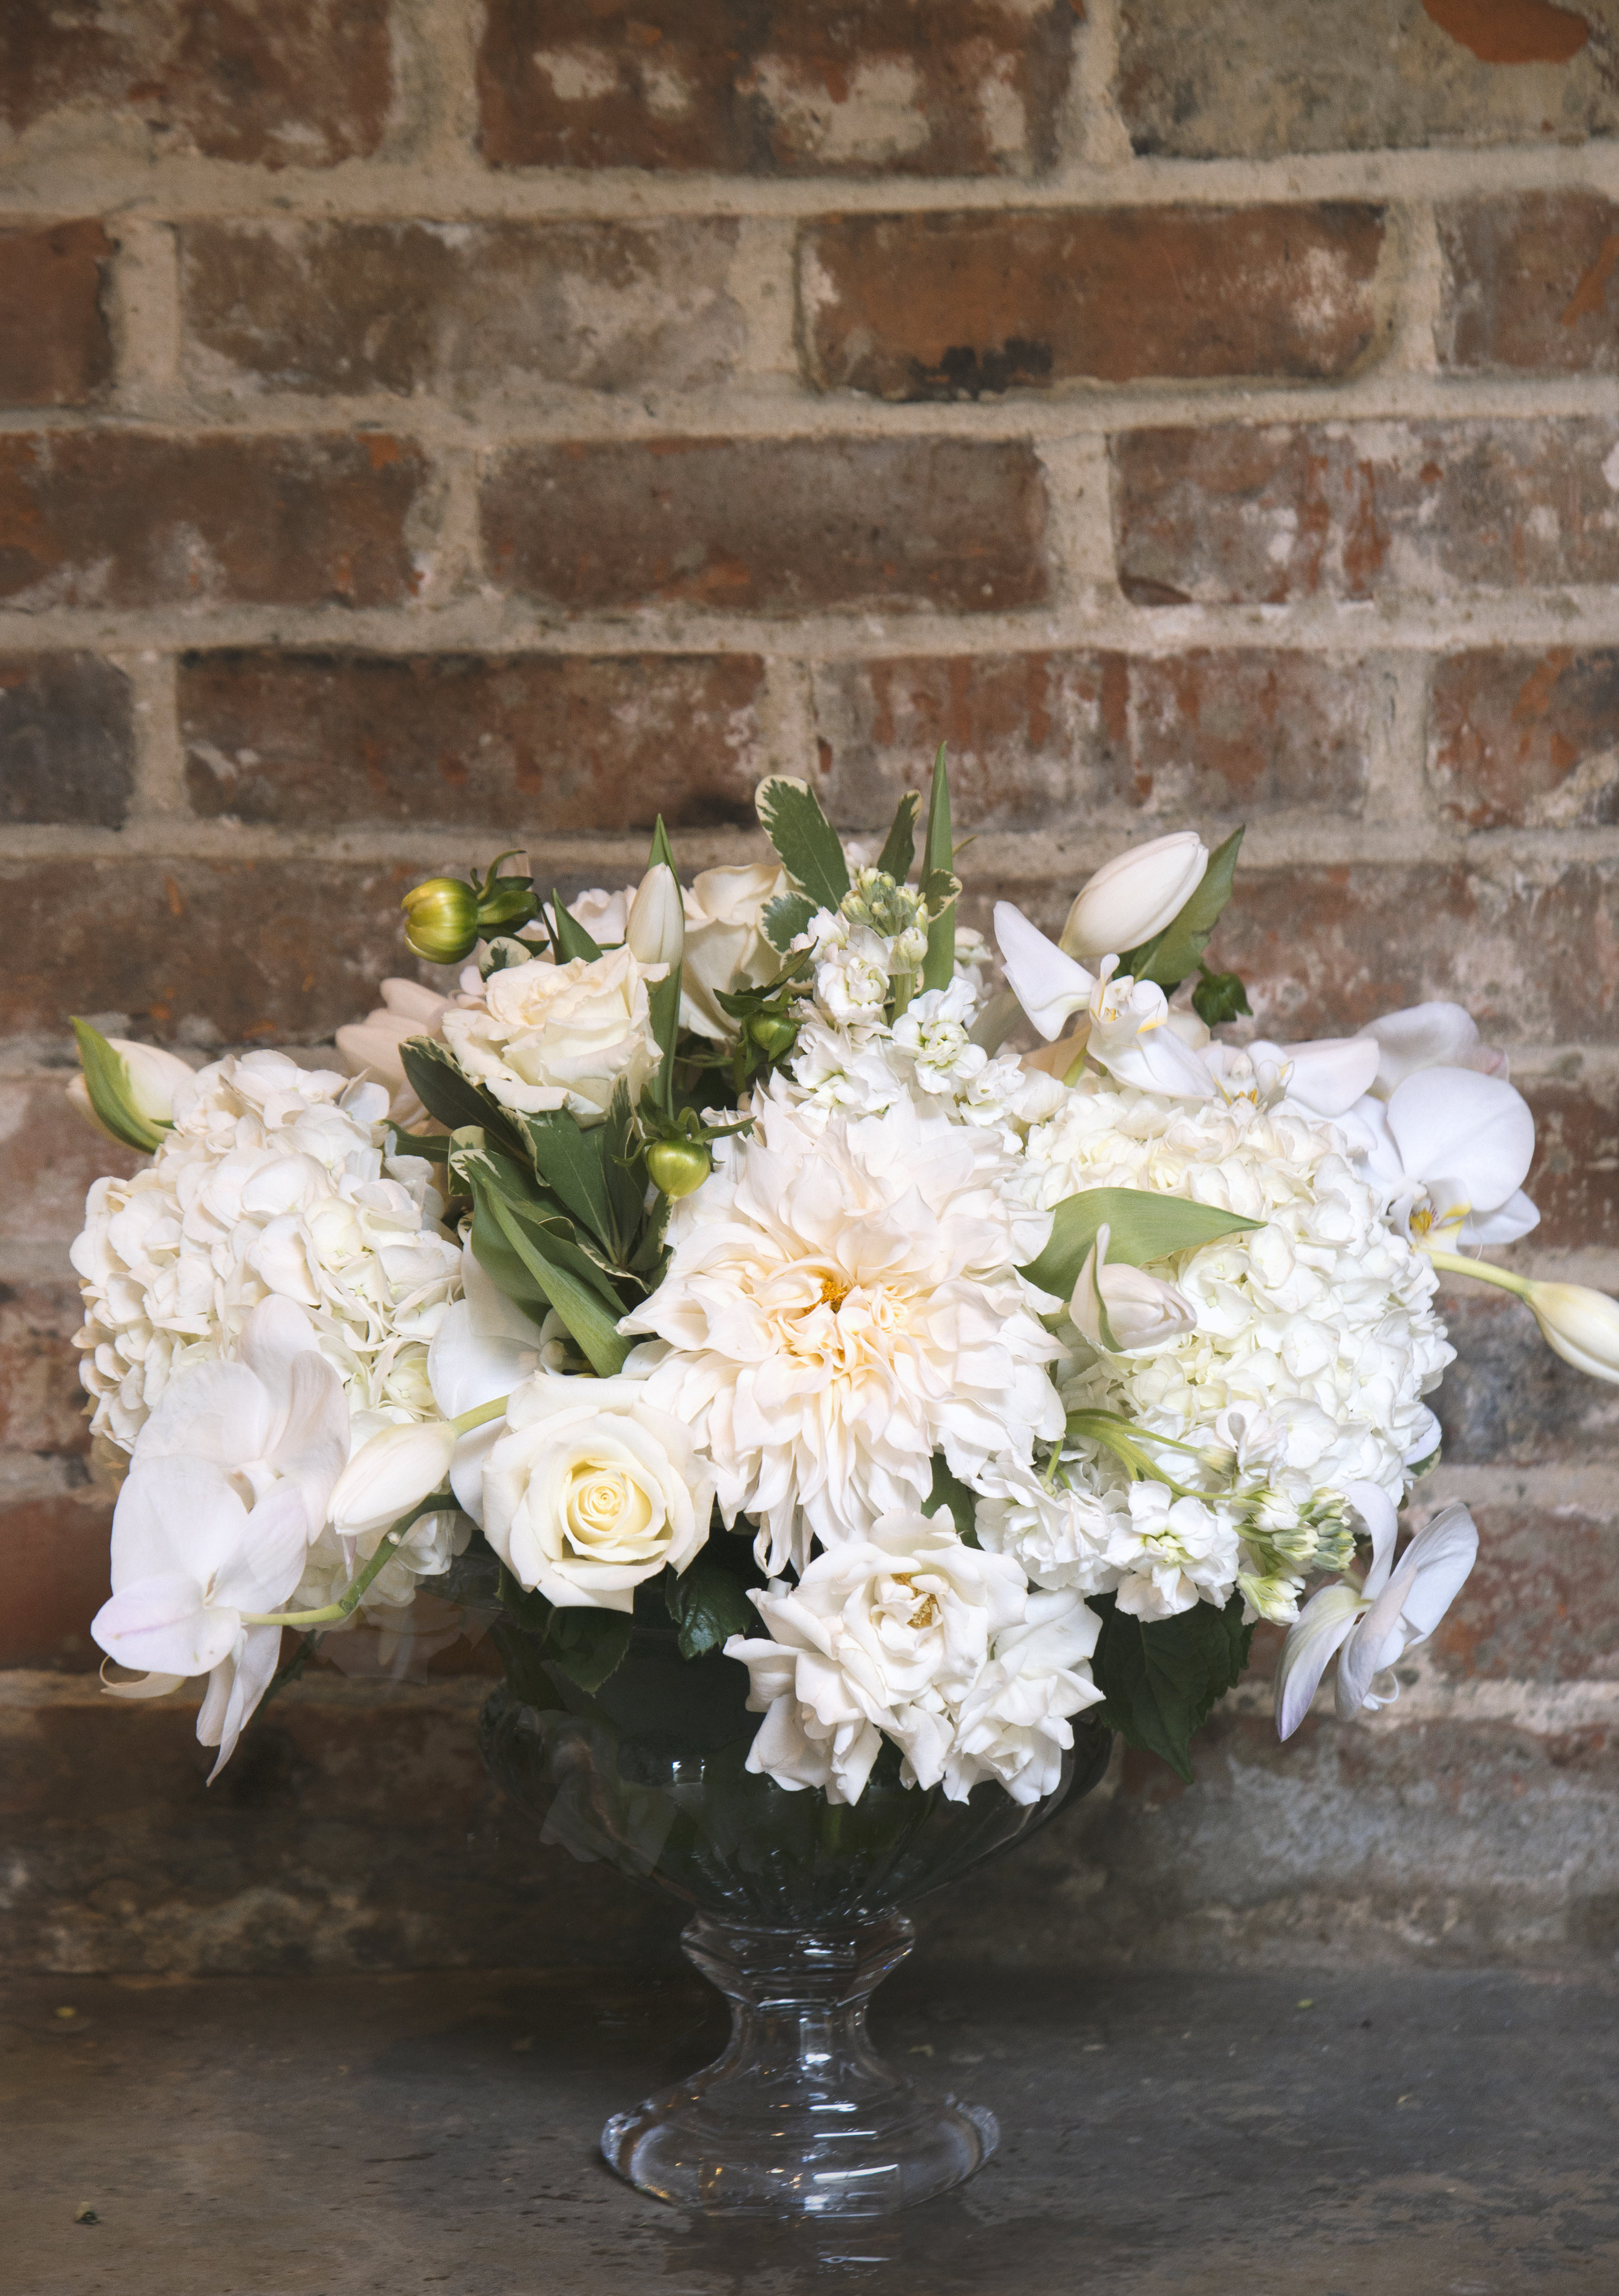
(610, 1516)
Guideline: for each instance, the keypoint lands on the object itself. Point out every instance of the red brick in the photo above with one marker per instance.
(66, 740)
(1531, 284)
(1575, 1180)
(523, 744)
(953, 306)
(1532, 951)
(904, 88)
(123, 518)
(1507, 1400)
(49, 1154)
(271, 951)
(1541, 1604)
(305, 83)
(1527, 740)
(54, 1554)
(42, 1403)
(1207, 79)
(1039, 740)
(772, 527)
(55, 347)
(407, 307)
(1266, 516)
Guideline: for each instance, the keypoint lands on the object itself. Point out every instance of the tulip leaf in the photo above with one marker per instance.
(899, 846)
(662, 850)
(572, 1164)
(663, 1005)
(1144, 1227)
(551, 1265)
(1160, 1678)
(568, 935)
(949, 1491)
(790, 811)
(708, 1603)
(1171, 954)
(453, 1100)
(785, 918)
(938, 856)
(106, 1082)
(624, 1165)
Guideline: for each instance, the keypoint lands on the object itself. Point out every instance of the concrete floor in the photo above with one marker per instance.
(1371, 2135)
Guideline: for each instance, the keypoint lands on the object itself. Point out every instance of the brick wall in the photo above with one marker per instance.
(426, 424)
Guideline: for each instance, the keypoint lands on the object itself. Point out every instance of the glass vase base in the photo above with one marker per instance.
(799, 2117)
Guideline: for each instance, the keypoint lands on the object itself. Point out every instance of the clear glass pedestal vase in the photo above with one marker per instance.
(795, 1909)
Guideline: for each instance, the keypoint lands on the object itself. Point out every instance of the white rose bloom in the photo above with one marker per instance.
(559, 1036)
(274, 1183)
(1058, 1535)
(1322, 1319)
(593, 1489)
(841, 1302)
(896, 1634)
(727, 947)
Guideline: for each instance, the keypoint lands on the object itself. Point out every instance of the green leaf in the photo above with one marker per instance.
(1171, 954)
(949, 1491)
(107, 1081)
(786, 917)
(550, 1261)
(1145, 1226)
(1161, 1678)
(663, 1008)
(709, 1605)
(588, 1644)
(662, 850)
(624, 1164)
(572, 1163)
(568, 934)
(938, 854)
(452, 1099)
(1218, 996)
(899, 846)
(790, 814)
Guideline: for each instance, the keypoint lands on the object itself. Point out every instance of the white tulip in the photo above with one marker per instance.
(1371, 1625)
(655, 931)
(153, 1078)
(1135, 894)
(1578, 1325)
(390, 1473)
(1123, 1310)
(1126, 1030)
(1453, 1146)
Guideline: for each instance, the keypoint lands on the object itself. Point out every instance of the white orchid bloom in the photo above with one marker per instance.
(655, 930)
(1126, 1033)
(1434, 1036)
(1454, 1148)
(1369, 1626)
(485, 1348)
(1123, 1310)
(1135, 894)
(1328, 1076)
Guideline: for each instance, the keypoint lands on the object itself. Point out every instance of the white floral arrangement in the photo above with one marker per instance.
(709, 1263)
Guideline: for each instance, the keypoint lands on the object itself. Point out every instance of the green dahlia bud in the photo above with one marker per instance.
(772, 1034)
(678, 1166)
(443, 920)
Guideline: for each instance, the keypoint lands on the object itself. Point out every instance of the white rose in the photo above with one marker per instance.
(559, 1036)
(592, 1490)
(1013, 1725)
(726, 947)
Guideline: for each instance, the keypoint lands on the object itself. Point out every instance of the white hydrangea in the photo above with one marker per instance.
(273, 1181)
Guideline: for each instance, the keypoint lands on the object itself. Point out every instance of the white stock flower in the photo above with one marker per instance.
(1453, 1148)
(727, 946)
(1135, 894)
(559, 1036)
(851, 972)
(1061, 1534)
(371, 1047)
(1172, 1553)
(841, 1303)
(273, 1183)
(592, 1488)
(932, 1034)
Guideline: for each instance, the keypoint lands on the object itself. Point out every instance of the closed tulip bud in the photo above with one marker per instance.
(1578, 1325)
(1122, 1309)
(442, 914)
(389, 1475)
(1134, 896)
(655, 931)
(126, 1090)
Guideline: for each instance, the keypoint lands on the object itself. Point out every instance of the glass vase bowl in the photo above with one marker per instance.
(795, 1907)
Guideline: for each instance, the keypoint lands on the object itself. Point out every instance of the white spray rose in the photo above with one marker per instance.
(726, 947)
(592, 1490)
(1134, 896)
(559, 1036)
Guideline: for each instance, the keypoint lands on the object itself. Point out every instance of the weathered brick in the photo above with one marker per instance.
(66, 740)
(1527, 740)
(307, 83)
(953, 306)
(1268, 515)
(1531, 949)
(1039, 740)
(1507, 1399)
(1531, 284)
(278, 952)
(907, 87)
(1575, 1179)
(53, 1554)
(1232, 79)
(55, 349)
(521, 743)
(1542, 1602)
(42, 1403)
(778, 526)
(49, 1154)
(460, 308)
(124, 518)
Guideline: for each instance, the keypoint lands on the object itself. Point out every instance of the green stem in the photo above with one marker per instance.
(1479, 1270)
(349, 1600)
(480, 1416)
